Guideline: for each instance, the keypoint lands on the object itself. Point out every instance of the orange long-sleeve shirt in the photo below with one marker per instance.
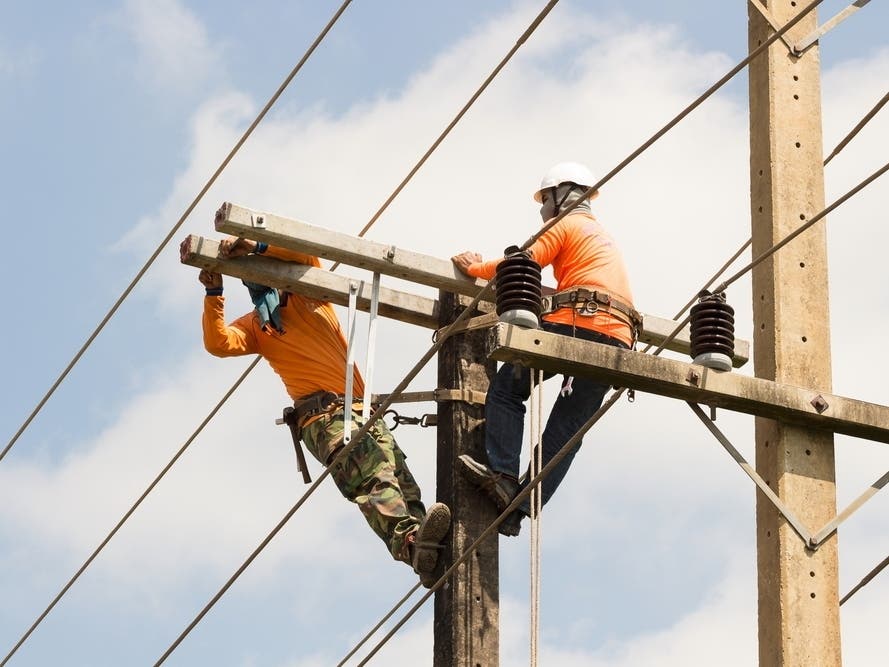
(581, 252)
(309, 356)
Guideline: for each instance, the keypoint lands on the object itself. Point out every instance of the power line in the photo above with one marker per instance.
(404, 182)
(176, 227)
(675, 121)
(799, 230)
(855, 130)
(536, 480)
(129, 513)
(381, 410)
(861, 584)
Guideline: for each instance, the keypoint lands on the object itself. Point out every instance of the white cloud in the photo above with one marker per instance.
(650, 477)
(175, 52)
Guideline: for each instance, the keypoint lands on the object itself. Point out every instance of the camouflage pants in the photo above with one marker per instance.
(373, 475)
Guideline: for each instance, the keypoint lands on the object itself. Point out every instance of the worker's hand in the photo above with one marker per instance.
(183, 249)
(464, 259)
(236, 247)
(210, 279)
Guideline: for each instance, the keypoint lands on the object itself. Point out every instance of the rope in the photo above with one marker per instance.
(176, 227)
(864, 121)
(536, 507)
(129, 512)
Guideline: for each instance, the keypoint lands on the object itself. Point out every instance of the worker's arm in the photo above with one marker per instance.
(472, 265)
(223, 340)
(238, 247)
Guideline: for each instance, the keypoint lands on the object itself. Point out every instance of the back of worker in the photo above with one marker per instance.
(593, 301)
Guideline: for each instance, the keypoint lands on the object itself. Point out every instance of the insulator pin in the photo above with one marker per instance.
(518, 290)
(713, 331)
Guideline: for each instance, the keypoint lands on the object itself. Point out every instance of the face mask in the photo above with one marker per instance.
(548, 210)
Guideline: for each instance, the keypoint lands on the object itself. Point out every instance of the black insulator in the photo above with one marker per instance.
(712, 326)
(517, 282)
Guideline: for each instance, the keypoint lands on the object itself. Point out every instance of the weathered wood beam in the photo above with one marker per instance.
(689, 382)
(309, 281)
(416, 267)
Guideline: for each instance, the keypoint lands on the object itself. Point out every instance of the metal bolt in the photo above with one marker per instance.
(693, 376)
(819, 404)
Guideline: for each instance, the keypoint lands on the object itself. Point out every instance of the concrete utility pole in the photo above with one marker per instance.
(798, 598)
(467, 615)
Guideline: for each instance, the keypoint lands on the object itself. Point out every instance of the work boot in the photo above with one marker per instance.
(427, 542)
(511, 526)
(500, 488)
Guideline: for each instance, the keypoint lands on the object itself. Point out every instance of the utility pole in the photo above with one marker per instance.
(467, 615)
(798, 598)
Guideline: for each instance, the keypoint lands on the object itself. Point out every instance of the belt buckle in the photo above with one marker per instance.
(588, 308)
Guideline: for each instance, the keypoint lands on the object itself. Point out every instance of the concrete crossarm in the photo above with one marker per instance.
(309, 281)
(689, 382)
(412, 266)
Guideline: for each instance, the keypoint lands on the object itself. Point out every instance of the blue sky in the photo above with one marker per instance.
(115, 114)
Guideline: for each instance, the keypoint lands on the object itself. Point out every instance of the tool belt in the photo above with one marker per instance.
(588, 301)
(294, 417)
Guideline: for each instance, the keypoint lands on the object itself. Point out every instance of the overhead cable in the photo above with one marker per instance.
(647, 144)
(675, 121)
(799, 230)
(176, 227)
(855, 130)
(861, 584)
(383, 407)
(129, 512)
(380, 411)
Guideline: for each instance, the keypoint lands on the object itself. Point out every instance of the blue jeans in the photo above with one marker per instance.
(505, 414)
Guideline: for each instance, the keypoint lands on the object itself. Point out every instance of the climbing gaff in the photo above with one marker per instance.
(712, 331)
(518, 290)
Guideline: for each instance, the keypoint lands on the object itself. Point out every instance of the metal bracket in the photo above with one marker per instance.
(815, 541)
(465, 395)
(827, 26)
(257, 220)
(789, 516)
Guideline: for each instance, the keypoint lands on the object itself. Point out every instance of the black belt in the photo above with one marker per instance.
(303, 408)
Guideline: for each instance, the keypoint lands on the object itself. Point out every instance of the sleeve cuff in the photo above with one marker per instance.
(260, 248)
(214, 291)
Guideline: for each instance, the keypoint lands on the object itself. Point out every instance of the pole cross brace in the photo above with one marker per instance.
(815, 541)
(767, 15)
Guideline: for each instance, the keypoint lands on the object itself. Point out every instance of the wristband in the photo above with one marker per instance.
(214, 291)
(260, 248)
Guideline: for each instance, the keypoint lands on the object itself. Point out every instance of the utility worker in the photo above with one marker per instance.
(302, 341)
(592, 301)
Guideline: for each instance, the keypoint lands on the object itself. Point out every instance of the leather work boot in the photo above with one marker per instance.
(500, 488)
(427, 544)
(511, 526)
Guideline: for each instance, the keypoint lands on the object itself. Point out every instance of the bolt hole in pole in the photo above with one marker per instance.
(712, 331)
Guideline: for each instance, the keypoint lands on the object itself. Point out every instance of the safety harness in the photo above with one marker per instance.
(586, 301)
(303, 408)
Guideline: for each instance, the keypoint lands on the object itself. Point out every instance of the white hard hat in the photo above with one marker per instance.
(565, 172)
